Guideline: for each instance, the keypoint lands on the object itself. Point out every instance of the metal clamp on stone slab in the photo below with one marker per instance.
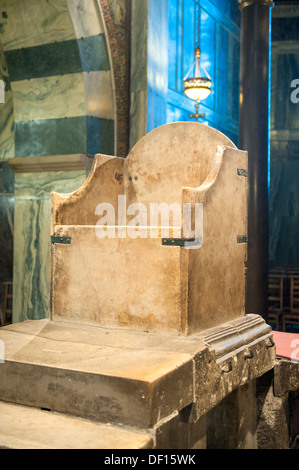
(62, 240)
(184, 242)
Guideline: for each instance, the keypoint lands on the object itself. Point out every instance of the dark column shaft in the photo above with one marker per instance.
(253, 137)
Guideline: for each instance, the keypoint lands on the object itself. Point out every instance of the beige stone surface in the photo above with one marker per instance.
(232, 424)
(116, 282)
(126, 376)
(23, 427)
(216, 271)
(286, 376)
(138, 282)
(116, 376)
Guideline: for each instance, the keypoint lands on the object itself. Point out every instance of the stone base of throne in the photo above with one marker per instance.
(92, 387)
(144, 338)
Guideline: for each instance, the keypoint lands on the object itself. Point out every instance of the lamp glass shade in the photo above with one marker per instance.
(197, 88)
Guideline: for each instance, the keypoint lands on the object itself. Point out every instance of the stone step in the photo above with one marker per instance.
(109, 376)
(25, 427)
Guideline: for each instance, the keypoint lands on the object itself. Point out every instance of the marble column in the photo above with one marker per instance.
(254, 137)
(35, 179)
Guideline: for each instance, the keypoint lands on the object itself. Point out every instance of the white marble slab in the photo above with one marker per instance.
(99, 94)
(86, 17)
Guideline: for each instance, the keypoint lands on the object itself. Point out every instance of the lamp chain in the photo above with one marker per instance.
(197, 39)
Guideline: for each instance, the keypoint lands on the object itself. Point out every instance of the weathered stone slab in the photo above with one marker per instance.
(239, 351)
(130, 377)
(97, 373)
(286, 376)
(23, 427)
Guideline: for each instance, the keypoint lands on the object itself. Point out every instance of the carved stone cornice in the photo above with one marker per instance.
(50, 163)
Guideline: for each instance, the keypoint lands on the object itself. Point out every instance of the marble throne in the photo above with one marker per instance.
(147, 330)
(148, 277)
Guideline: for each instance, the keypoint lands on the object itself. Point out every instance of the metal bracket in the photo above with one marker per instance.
(242, 239)
(242, 172)
(183, 242)
(61, 240)
(272, 343)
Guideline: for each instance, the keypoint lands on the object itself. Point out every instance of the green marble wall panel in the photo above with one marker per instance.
(86, 54)
(59, 101)
(7, 144)
(54, 97)
(50, 137)
(59, 70)
(31, 268)
(94, 53)
(43, 61)
(7, 150)
(6, 237)
(100, 136)
(7, 131)
(83, 134)
(63, 96)
(6, 178)
(30, 23)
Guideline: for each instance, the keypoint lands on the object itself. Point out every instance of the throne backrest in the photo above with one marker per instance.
(169, 158)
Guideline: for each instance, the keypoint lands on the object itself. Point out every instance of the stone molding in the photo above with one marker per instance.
(51, 163)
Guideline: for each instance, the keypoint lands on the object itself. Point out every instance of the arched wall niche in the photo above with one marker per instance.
(61, 105)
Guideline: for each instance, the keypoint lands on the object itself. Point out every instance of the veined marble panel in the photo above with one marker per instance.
(6, 237)
(99, 136)
(50, 137)
(6, 113)
(86, 17)
(32, 239)
(7, 131)
(7, 178)
(35, 22)
(139, 46)
(43, 61)
(94, 53)
(99, 94)
(49, 98)
(138, 116)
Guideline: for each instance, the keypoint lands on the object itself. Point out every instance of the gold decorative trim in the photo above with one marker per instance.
(247, 3)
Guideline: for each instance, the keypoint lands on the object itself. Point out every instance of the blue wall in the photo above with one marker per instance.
(220, 57)
(284, 139)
